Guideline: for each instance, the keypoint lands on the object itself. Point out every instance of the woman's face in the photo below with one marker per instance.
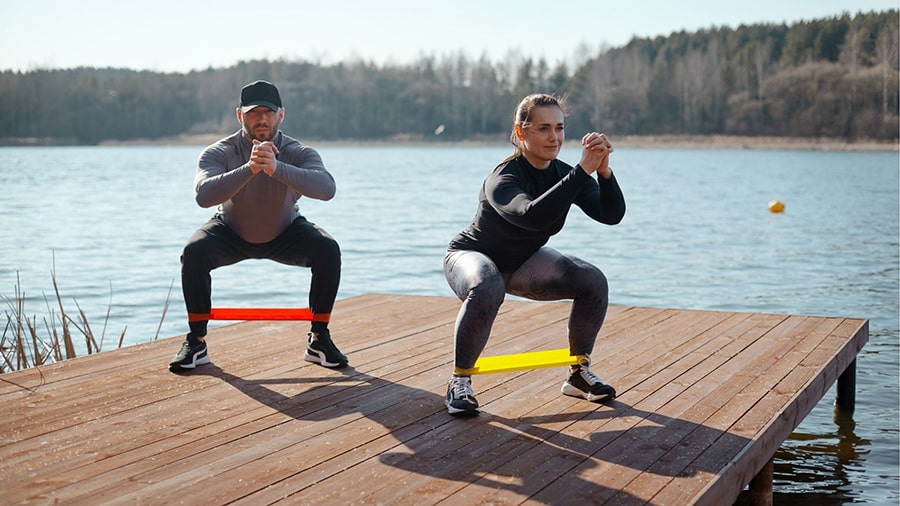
(543, 136)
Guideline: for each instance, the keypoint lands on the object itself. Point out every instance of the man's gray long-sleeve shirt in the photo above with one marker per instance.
(258, 207)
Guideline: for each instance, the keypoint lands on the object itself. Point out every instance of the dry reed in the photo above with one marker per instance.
(23, 346)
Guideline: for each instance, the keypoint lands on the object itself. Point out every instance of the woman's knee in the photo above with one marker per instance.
(474, 277)
(591, 280)
(491, 290)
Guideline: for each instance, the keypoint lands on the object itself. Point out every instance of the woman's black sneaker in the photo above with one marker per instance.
(587, 385)
(460, 400)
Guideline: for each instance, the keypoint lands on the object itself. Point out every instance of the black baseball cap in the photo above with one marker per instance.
(261, 93)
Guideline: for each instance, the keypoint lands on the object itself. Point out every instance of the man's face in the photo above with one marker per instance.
(260, 123)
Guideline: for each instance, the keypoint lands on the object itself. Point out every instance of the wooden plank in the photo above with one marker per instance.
(612, 452)
(171, 453)
(795, 396)
(530, 460)
(465, 441)
(61, 395)
(737, 470)
(535, 464)
(705, 397)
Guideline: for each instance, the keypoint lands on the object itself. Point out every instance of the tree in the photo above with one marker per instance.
(828, 77)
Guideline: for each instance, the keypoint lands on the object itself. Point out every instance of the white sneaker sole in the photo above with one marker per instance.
(198, 360)
(457, 411)
(571, 391)
(318, 357)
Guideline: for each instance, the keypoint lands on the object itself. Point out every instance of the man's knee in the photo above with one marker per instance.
(330, 247)
(194, 253)
(326, 253)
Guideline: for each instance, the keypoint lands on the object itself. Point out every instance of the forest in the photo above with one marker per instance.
(833, 77)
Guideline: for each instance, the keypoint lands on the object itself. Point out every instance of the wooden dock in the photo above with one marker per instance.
(705, 400)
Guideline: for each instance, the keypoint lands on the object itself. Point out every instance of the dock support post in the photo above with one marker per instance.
(759, 491)
(845, 402)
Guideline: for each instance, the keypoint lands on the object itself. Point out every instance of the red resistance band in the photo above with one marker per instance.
(259, 314)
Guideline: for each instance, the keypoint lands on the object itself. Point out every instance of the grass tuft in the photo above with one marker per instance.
(23, 346)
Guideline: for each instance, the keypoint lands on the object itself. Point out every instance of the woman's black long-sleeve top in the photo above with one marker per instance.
(520, 207)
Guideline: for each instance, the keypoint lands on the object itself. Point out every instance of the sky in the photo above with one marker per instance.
(181, 36)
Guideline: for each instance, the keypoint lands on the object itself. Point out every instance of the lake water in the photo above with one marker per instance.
(111, 222)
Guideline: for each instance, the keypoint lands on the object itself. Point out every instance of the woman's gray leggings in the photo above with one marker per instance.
(546, 275)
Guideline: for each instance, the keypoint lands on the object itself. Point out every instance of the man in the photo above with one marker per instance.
(256, 176)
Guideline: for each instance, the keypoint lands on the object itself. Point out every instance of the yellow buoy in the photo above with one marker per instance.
(776, 206)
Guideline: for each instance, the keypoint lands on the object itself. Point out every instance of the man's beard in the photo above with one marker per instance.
(270, 134)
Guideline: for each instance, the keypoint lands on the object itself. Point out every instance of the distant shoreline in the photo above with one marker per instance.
(759, 143)
(625, 141)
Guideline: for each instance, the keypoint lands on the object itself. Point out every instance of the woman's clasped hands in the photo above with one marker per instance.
(595, 154)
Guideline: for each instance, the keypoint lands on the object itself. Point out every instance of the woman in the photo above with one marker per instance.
(522, 203)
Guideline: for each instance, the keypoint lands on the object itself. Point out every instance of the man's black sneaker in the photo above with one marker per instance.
(460, 400)
(587, 385)
(192, 353)
(321, 350)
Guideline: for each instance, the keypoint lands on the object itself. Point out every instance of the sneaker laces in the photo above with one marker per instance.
(461, 386)
(589, 376)
(189, 345)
